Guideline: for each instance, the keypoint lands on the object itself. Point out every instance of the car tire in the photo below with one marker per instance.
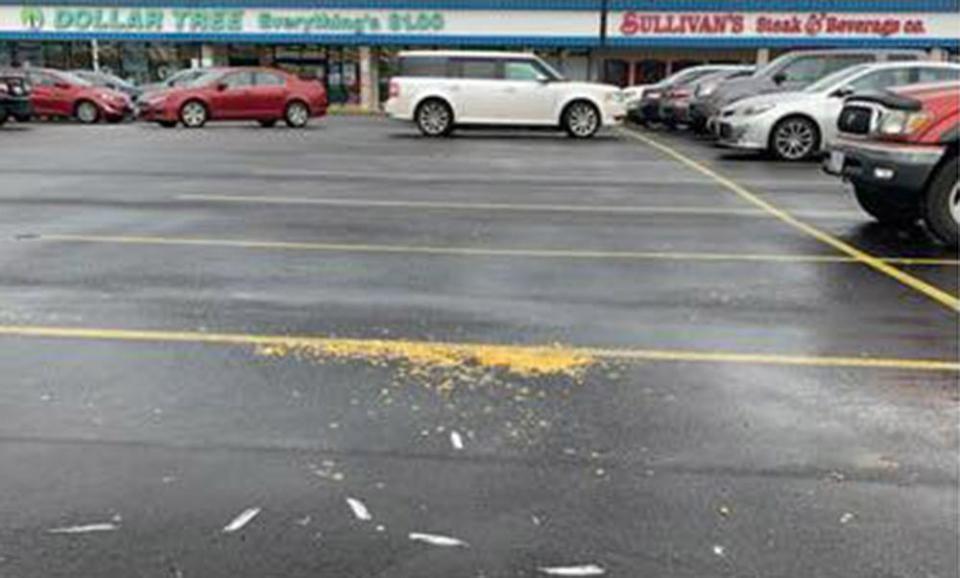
(167, 123)
(194, 114)
(878, 205)
(296, 114)
(4, 116)
(86, 112)
(580, 119)
(434, 118)
(268, 123)
(941, 208)
(795, 138)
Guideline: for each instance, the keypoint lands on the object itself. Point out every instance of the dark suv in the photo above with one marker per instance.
(14, 96)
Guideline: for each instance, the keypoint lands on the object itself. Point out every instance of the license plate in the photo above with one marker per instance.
(835, 165)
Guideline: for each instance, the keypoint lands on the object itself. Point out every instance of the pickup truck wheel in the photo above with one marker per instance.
(434, 118)
(941, 209)
(581, 119)
(880, 207)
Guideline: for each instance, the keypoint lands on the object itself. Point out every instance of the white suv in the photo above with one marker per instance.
(441, 90)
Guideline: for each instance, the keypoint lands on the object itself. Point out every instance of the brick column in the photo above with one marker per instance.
(369, 78)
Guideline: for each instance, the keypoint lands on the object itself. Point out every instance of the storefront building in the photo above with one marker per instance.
(348, 44)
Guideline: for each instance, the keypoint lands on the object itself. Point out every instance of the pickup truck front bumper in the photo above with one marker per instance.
(900, 169)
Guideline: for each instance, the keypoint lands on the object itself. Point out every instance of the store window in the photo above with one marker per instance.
(249, 54)
(615, 71)
(678, 65)
(649, 71)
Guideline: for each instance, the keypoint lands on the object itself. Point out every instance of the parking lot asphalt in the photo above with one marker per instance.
(352, 351)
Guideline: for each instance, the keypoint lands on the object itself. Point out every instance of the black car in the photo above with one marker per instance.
(14, 96)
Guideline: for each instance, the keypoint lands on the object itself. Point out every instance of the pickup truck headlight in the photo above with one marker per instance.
(901, 123)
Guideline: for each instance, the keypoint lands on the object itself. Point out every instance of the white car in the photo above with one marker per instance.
(441, 90)
(796, 125)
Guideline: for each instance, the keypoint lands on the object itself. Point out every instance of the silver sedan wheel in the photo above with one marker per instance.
(582, 120)
(193, 115)
(434, 118)
(794, 139)
(955, 203)
(297, 114)
(87, 112)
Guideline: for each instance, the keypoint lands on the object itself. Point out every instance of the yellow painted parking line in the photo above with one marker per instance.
(507, 207)
(336, 344)
(876, 263)
(473, 251)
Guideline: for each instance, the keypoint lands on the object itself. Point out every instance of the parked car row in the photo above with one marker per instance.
(191, 98)
(889, 120)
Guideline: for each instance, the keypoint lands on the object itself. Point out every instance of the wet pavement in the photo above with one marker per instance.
(350, 351)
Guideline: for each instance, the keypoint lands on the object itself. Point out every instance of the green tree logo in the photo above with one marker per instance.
(32, 17)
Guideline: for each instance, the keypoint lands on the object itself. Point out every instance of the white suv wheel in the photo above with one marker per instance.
(581, 120)
(434, 118)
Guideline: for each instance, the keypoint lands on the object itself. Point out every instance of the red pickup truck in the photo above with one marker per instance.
(899, 150)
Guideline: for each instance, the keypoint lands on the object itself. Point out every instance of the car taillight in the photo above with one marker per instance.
(394, 89)
(680, 93)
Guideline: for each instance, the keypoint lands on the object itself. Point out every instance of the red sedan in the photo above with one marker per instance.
(58, 93)
(265, 95)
